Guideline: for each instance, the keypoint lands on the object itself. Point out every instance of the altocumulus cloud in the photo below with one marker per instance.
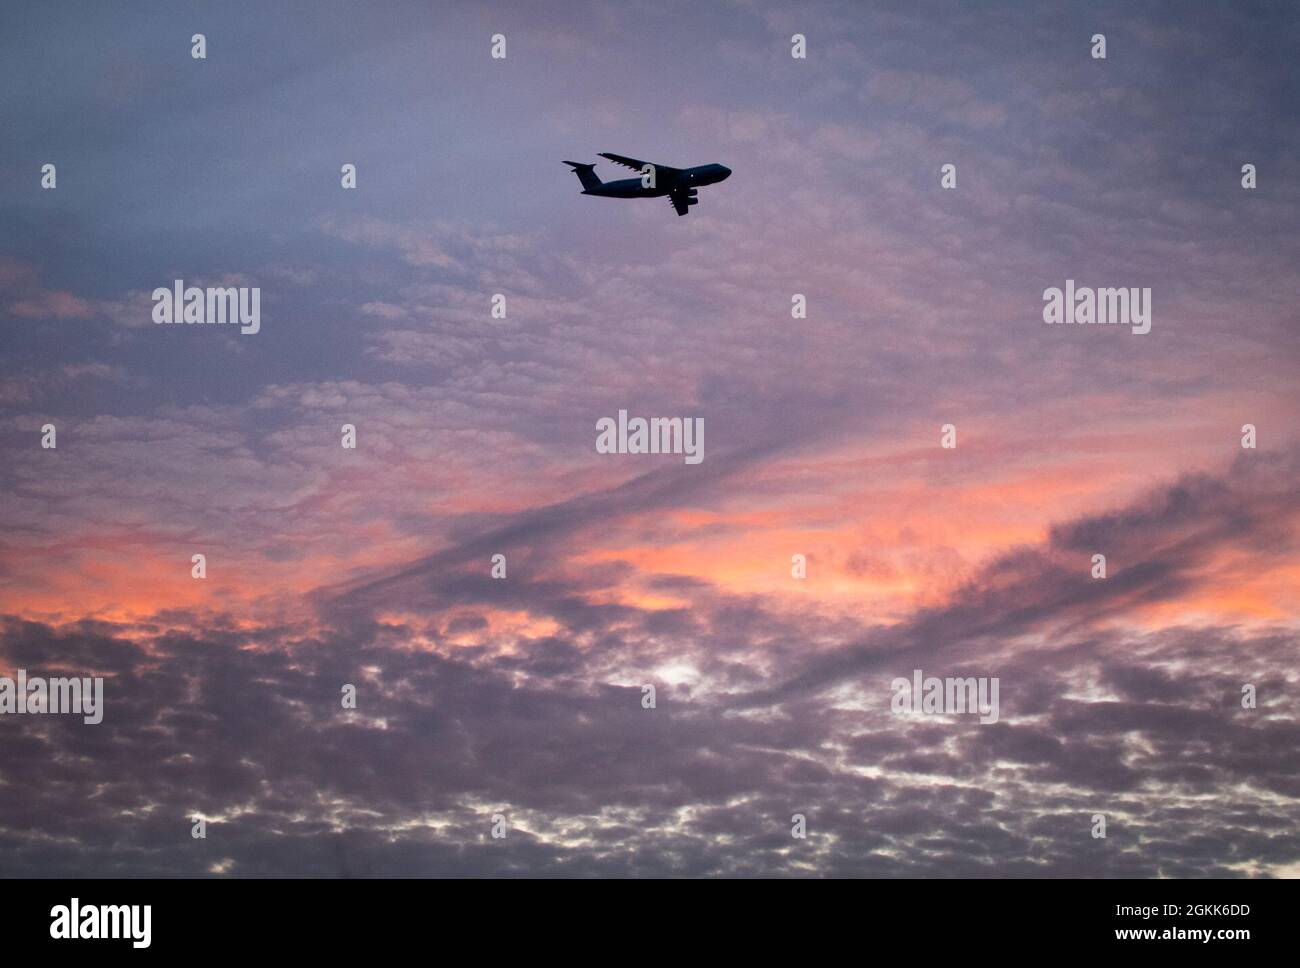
(459, 718)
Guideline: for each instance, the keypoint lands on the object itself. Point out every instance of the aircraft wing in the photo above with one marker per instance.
(636, 164)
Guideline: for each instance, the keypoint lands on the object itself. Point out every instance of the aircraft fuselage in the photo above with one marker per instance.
(686, 178)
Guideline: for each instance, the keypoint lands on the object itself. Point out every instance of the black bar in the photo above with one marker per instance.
(947, 917)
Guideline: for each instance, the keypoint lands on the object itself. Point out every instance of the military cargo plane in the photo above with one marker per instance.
(655, 181)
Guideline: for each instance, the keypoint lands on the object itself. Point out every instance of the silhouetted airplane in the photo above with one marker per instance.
(679, 184)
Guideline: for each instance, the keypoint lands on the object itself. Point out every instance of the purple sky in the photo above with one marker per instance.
(476, 436)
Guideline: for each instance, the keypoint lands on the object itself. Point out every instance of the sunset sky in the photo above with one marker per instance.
(476, 437)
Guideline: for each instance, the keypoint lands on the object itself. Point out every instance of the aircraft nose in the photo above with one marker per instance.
(726, 172)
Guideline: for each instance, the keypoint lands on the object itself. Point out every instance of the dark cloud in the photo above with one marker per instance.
(246, 728)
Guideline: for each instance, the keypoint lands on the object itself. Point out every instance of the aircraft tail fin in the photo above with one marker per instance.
(586, 174)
